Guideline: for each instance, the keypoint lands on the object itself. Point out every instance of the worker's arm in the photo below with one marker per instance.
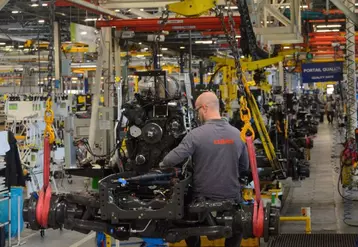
(184, 150)
(244, 161)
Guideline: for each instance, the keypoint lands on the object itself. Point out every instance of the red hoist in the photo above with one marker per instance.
(43, 205)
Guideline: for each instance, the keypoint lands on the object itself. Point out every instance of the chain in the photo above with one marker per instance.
(230, 34)
(163, 21)
(50, 48)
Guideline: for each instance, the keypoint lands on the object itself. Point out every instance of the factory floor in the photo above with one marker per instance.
(319, 192)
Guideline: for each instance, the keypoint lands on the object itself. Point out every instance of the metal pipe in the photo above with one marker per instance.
(171, 22)
(307, 219)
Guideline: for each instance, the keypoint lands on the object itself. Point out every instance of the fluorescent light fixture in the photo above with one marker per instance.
(327, 30)
(2, 43)
(116, 10)
(139, 17)
(91, 19)
(329, 86)
(141, 9)
(44, 5)
(203, 42)
(329, 26)
(164, 49)
(34, 5)
(182, 47)
(231, 7)
(286, 47)
(139, 43)
(238, 36)
(83, 33)
(356, 4)
(288, 6)
(15, 12)
(21, 46)
(159, 55)
(140, 55)
(41, 21)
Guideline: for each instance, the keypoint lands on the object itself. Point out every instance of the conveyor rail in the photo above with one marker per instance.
(314, 240)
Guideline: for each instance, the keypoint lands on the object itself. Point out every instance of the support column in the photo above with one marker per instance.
(108, 66)
(96, 91)
(117, 59)
(351, 72)
(57, 49)
(281, 75)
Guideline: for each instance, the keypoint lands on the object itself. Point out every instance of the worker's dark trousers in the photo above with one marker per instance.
(234, 241)
(330, 116)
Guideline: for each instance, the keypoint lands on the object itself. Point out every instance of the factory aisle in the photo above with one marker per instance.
(320, 190)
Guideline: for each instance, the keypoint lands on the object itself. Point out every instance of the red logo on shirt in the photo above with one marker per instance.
(223, 141)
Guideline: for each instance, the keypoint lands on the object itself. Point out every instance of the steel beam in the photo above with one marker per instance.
(351, 71)
(142, 14)
(349, 14)
(90, 7)
(278, 15)
(3, 3)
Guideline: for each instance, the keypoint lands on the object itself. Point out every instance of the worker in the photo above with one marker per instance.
(219, 156)
(330, 110)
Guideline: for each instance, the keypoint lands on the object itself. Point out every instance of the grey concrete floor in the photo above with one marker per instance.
(319, 192)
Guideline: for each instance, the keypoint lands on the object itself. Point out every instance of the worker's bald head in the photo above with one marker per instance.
(208, 106)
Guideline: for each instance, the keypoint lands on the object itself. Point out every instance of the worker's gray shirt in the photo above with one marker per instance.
(219, 157)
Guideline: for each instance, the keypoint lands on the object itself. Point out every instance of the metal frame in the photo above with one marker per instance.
(268, 31)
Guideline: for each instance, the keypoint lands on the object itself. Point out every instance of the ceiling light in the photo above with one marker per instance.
(328, 26)
(83, 33)
(286, 47)
(15, 12)
(182, 47)
(21, 46)
(41, 21)
(203, 42)
(145, 49)
(140, 55)
(139, 17)
(117, 10)
(159, 55)
(44, 5)
(2, 43)
(238, 36)
(356, 4)
(141, 9)
(164, 49)
(327, 30)
(139, 43)
(91, 19)
(34, 5)
(231, 7)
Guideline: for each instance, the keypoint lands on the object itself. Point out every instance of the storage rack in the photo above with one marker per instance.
(5, 195)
